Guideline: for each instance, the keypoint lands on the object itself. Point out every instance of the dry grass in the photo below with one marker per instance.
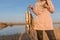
(57, 34)
(29, 37)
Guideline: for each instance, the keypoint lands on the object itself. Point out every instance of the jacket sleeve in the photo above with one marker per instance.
(35, 11)
(51, 7)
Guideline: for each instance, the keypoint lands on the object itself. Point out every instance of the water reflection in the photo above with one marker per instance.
(56, 25)
(12, 30)
(16, 29)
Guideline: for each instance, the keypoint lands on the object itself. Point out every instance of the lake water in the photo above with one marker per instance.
(56, 25)
(12, 30)
(16, 29)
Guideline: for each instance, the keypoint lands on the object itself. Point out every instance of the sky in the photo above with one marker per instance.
(14, 11)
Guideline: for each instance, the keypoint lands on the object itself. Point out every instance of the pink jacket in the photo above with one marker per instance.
(43, 20)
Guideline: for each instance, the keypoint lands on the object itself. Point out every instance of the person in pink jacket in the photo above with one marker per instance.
(43, 20)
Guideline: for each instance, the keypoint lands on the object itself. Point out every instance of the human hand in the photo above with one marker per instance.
(30, 6)
(46, 6)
